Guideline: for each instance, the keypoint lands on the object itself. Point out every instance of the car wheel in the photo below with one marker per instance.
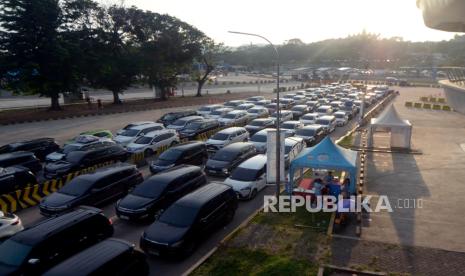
(148, 152)
(253, 194)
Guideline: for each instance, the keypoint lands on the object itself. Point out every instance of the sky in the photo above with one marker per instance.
(309, 20)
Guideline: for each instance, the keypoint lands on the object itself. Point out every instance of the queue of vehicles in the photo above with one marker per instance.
(177, 199)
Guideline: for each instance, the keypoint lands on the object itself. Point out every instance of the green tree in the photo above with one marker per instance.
(207, 61)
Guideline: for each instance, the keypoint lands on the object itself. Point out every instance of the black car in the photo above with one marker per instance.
(149, 199)
(20, 158)
(15, 178)
(189, 153)
(259, 124)
(40, 147)
(78, 160)
(170, 117)
(92, 189)
(229, 157)
(40, 247)
(109, 257)
(194, 129)
(194, 216)
(312, 134)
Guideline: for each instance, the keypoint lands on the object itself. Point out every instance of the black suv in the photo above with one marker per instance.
(229, 157)
(109, 257)
(193, 129)
(20, 158)
(189, 219)
(170, 117)
(92, 189)
(15, 178)
(40, 247)
(149, 199)
(78, 160)
(40, 147)
(189, 153)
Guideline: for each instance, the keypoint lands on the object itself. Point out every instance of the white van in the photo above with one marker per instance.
(249, 177)
(328, 122)
(324, 110)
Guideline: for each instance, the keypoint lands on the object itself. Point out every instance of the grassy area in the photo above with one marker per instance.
(347, 141)
(318, 221)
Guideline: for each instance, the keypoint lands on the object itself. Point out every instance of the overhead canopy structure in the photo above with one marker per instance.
(389, 120)
(326, 155)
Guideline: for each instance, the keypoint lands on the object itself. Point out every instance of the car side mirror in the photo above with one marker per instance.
(33, 261)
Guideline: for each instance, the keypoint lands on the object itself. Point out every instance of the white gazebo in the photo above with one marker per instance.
(389, 121)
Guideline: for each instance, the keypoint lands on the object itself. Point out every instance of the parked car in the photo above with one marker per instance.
(133, 124)
(285, 115)
(100, 134)
(341, 118)
(289, 96)
(180, 124)
(328, 122)
(220, 112)
(108, 257)
(233, 103)
(258, 124)
(170, 117)
(299, 99)
(40, 147)
(152, 142)
(336, 105)
(92, 189)
(46, 244)
(309, 118)
(293, 146)
(189, 153)
(207, 109)
(260, 138)
(82, 142)
(20, 158)
(196, 128)
(191, 218)
(287, 103)
(229, 157)
(226, 137)
(15, 178)
(312, 134)
(131, 134)
(258, 112)
(235, 117)
(78, 160)
(249, 177)
(10, 224)
(324, 110)
(149, 199)
(255, 99)
(272, 107)
(298, 111)
(262, 102)
(290, 127)
(244, 106)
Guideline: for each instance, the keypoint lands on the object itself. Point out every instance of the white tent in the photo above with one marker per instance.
(389, 120)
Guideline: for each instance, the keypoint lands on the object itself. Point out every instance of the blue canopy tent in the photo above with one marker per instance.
(326, 155)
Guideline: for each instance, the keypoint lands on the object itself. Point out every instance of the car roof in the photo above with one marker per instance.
(191, 118)
(159, 132)
(255, 163)
(45, 139)
(237, 111)
(92, 258)
(101, 173)
(326, 117)
(15, 154)
(199, 197)
(236, 146)
(263, 131)
(340, 112)
(262, 119)
(314, 126)
(230, 130)
(169, 175)
(225, 109)
(325, 106)
(289, 141)
(188, 145)
(144, 126)
(292, 122)
(42, 230)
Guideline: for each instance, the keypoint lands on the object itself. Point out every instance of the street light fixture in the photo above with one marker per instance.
(278, 112)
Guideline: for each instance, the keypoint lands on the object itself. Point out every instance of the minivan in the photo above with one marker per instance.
(194, 129)
(259, 124)
(191, 218)
(181, 123)
(324, 110)
(92, 189)
(40, 147)
(155, 194)
(130, 134)
(328, 122)
(249, 177)
(190, 153)
(15, 178)
(227, 158)
(170, 117)
(226, 137)
(207, 109)
(20, 158)
(108, 257)
(44, 245)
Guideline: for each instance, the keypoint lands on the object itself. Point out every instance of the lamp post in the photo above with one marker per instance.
(278, 112)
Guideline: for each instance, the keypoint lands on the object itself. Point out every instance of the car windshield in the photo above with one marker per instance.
(76, 187)
(226, 156)
(298, 108)
(144, 140)
(194, 125)
(149, 189)
(205, 108)
(322, 110)
(258, 138)
(73, 157)
(308, 117)
(220, 136)
(306, 132)
(257, 123)
(254, 110)
(243, 174)
(179, 123)
(179, 216)
(340, 116)
(288, 126)
(69, 148)
(216, 112)
(229, 116)
(170, 155)
(130, 132)
(168, 117)
(13, 253)
(243, 107)
(322, 122)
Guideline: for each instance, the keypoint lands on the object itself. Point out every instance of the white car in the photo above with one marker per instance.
(235, 117)
(206, 110)
(258, 112)
(341, 118)
(291, 127)
(220, 112)
(153, 141)
(259, 139)
(133, 124)
(81, 142)
(249, 177)
(309, 118)
(131, 134)
(233, 103)
(324, 110)
(181, 123)
(10, 224)
(262, 102)
(285, 115)
(292, 148)
(244, 106)
(226, 137)
(254, 99)
(328, 122)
